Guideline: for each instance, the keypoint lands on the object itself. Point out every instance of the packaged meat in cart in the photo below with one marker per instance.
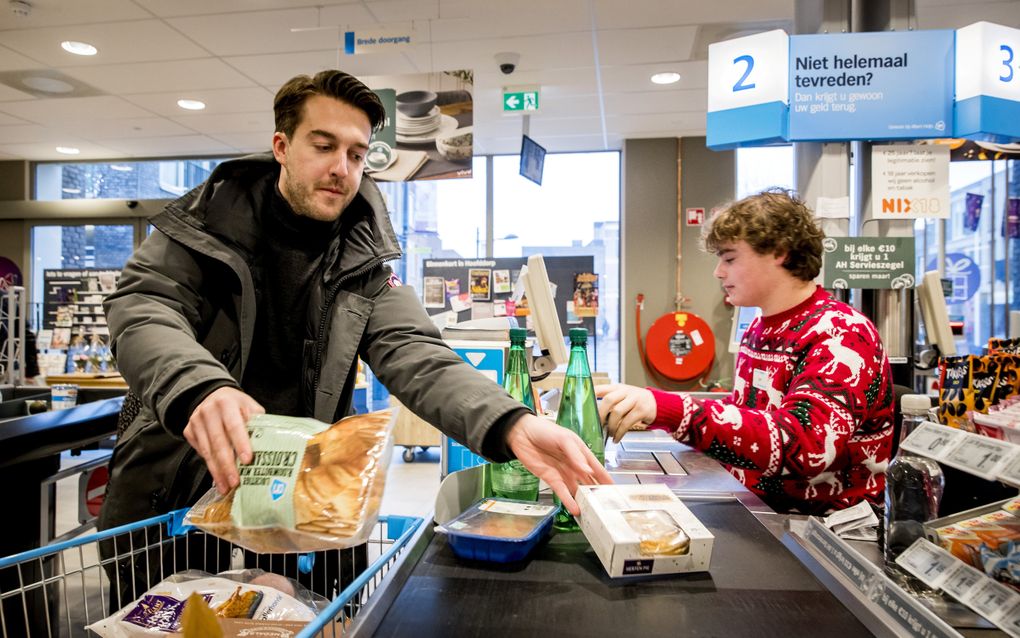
(310, 486)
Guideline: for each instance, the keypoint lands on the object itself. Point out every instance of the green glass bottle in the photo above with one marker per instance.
(512, 479)
(578, 411)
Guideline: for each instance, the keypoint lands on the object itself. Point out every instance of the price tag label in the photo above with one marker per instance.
(979, 455)
(930, 564)
(1010, 621)
(961, 579)
(932, 440)
(1011, 474)
(990, 599)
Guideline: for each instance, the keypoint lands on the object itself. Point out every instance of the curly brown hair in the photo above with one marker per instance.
(772, 222)
(289, 102)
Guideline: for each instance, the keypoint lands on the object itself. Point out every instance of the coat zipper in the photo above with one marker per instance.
(326, 307)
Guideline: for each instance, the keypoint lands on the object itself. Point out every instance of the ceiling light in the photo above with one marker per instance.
(191, 105)
(68, 150)
(123, 168)
(78, 48)
(668, 77)
(71, 191)
(47, 85)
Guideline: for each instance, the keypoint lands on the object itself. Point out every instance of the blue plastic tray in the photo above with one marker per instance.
(499, 530)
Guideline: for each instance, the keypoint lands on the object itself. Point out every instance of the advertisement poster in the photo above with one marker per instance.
(480, 284)
(868, 262)
(871, 85)
(435, 292)
(501, 281)
(586, 294)
(428, 131)
(910, 182)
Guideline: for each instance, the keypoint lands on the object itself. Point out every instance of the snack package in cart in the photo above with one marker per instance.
(245, 594)
(310, 486)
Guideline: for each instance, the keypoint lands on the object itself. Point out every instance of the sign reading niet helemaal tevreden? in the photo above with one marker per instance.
(868, 262)
(910, 181)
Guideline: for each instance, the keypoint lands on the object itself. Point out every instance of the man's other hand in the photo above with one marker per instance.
(624, 408)
(218, 430)
(557, 456)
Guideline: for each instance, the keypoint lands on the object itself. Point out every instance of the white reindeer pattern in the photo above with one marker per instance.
(871, 462)
(825, 324)
(842, 355)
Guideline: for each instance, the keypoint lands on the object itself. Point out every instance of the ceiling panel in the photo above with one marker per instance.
(180, 145)
(642, 13)
(152, 77)
(7, 94)
(272, 71)
(47, 13)
(56, 111)
(173, 8)
(258, 32)
(648, 44)
(12, 61)
(644, 102)
(146, 127)
(245, 100)
(247, 142)
(211, 124)
(116, 41)
(44, 151)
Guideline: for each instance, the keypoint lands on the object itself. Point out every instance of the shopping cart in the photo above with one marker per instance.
(55, 591)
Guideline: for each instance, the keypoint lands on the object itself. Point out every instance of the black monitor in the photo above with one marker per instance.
(532, 159)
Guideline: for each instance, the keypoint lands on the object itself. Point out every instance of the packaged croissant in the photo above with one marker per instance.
(310, 486)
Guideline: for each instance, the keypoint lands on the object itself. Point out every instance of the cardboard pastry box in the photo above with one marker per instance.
(640, 530)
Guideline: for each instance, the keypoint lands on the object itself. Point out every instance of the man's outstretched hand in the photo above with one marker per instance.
(218, 430)
(557, 456)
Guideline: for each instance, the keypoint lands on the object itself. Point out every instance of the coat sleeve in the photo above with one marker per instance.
(404, 349)
(154, 317)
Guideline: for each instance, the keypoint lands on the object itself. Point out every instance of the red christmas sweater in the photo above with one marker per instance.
(808, 426)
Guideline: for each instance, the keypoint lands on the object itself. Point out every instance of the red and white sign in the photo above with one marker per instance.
(695, 216)
(92, 491)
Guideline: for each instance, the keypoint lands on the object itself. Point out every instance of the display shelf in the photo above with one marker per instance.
(868, 582)
(982, 456)
(940, 570)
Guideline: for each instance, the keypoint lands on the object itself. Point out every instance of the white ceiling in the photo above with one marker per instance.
(592, 58)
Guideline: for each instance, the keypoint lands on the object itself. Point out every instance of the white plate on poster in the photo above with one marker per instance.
(447, 124)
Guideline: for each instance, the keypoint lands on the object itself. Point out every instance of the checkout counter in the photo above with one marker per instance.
(763, 581)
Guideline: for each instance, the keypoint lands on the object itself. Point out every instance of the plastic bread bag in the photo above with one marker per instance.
(249, 593)
(309, 487)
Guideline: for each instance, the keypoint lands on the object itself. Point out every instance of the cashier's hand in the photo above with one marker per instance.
(217, 430)
(557, 456)
(624, 408)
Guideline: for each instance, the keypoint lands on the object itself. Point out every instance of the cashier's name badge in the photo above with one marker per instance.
(761, 380)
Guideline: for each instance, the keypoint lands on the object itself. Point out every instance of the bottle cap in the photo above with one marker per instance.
(915, 403)
(518, 334)
(579, 335)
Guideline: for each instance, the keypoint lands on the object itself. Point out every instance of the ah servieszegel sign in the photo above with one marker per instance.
(868, 262)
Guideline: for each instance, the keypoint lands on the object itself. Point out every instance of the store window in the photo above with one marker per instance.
(153, 179)
(762, 168)
(576, 211)
(980, 260)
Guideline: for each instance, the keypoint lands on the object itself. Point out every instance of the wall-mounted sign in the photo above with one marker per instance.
(520, 98)
(963, 274)
(868, 262)
(747, 90)
(871, 85)
(695, 216)
(375, 39)
(910, 182)
(987, 82)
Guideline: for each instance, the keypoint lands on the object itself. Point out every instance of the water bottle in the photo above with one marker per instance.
(913, 487)
(512, 479)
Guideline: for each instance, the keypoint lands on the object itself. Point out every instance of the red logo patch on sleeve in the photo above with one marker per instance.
(393, 281)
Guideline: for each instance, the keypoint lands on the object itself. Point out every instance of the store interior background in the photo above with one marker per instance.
(626, 155)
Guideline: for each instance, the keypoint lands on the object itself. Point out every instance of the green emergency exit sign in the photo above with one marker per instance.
(518, 100)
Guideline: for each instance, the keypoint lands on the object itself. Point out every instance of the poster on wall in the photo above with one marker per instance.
(586, 294)
(910, 182)
(428, 130)
(435, 293)
(479, 278)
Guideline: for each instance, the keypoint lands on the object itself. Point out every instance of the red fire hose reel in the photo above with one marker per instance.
(680, 345)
